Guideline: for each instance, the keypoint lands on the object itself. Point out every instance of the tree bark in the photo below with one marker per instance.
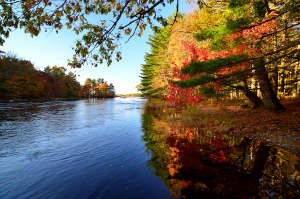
(275, 79)
(298, 82)
(254, 99)
(269, 97)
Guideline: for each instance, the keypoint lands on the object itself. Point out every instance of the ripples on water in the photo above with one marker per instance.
(112, 149)
(78, 149)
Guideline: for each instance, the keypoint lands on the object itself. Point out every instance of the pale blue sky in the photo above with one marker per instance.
(50, 49)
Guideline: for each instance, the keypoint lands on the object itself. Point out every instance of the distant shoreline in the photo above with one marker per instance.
(45, 99)
(129, 95)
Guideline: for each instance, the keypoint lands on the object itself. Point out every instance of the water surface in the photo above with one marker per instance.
(76, 149)
(116, 148)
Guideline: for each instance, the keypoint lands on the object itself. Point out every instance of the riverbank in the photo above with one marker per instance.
(129, 95)
(281, 128)
(45, 99)
(37, 100)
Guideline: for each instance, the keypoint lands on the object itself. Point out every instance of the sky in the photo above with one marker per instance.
(50, 48)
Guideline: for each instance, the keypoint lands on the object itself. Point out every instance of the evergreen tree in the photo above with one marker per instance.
(153, 82)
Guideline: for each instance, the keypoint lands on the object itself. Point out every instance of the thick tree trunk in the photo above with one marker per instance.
(298, 82)
(269, 97)
(254, 99)
(275, 79)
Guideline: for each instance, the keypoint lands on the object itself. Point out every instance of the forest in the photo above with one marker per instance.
(240, 50)
(19, 80)
(219, 115)
(228, 69)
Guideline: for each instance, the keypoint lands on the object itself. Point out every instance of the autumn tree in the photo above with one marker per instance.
(97, 89)
(252, 24)
(20, 80)
(99, 24)
(63, 85)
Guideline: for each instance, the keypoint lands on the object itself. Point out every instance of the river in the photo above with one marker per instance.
(113, 148)
(76, 149)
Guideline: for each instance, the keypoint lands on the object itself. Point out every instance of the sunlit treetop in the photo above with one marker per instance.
(100, 24)
(242, 15)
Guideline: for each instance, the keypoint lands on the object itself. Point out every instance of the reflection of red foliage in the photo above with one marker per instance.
(218, 143)
(188, 155)
(220, 157)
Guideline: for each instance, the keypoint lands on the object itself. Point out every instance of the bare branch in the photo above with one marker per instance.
(176, 14)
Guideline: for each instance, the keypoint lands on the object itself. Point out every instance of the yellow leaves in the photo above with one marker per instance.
(142, 28)
(59, 14)
(119, 7)
(33, 30)
(58, 26)
(102, 86)
(141, 33)
(128, 31)
(39, 10)
(172, 171)
(82, 19)
(46, 16)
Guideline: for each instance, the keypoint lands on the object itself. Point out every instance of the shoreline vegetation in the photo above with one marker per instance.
(129, 95)
(50, 99)
(21, 81)
(233, 119)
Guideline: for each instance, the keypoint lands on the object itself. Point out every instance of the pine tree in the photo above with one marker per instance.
(153, 83)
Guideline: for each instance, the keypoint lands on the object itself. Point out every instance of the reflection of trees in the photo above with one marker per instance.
(281, 176)
(217, 165)
(158, 148)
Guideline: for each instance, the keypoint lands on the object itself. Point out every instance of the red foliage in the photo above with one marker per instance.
(179, 95)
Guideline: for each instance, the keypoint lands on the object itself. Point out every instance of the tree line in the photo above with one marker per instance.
(230, 47)
(97, 88)
(20, 80)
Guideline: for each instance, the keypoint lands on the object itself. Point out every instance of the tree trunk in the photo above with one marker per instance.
(298, 82)
(256, 101)
(275, 79)
(269, 97)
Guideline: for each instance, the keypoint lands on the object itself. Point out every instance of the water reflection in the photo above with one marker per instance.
(93, 149)
(195, 164)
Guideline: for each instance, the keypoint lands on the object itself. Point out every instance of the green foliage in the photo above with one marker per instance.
(213, 65)
(233, 25)
(155, 144)
(203, 79)
(155, 62)
(237, 3)
(260, 9)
